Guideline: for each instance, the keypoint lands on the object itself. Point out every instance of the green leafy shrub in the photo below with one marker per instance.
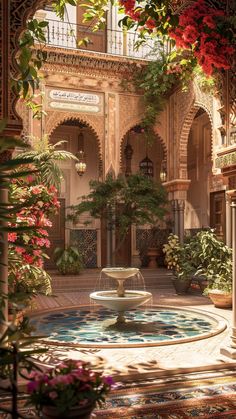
(201, 255)
(213, 260)
(68, 261)
(178, 258)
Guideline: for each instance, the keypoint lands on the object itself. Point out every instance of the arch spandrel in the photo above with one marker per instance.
(131, 111)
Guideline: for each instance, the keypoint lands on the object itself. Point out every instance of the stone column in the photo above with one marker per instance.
(230, 351)
(175, 216)
(181, 206)
(228, 221)
(233, 337)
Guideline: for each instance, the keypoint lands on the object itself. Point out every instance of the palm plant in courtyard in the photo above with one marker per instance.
(45, 157)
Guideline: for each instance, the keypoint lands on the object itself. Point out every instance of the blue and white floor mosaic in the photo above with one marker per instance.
(143, 326)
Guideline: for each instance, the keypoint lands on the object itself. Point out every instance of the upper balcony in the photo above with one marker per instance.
(109, 41)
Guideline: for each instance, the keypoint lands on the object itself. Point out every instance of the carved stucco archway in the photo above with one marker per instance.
(55, 119)
(184, 135)
(158, 137)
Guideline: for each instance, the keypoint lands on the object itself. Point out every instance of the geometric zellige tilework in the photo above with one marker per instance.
(86, 242)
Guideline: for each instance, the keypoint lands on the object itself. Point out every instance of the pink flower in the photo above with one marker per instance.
(43, 232)
(42, 242)
(12, 237)
(28, 259)
(36, 190)
(20, 250)
(53, 395)
(30, 179)
(52, 189)
(37, 252)
(108, 380)
(32, 386)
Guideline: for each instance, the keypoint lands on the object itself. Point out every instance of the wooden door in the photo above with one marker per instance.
(218, 213)
(56, 234)
(96, 40)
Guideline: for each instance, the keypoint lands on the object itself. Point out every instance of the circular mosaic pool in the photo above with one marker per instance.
(143, 327)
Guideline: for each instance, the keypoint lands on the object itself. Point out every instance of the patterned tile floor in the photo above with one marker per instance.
(197, 355)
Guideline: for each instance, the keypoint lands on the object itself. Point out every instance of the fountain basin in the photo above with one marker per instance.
(120, 273)
(110, 299)
(144, 327)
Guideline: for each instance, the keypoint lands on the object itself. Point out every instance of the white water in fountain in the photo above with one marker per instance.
(106, 282)
(119, 299)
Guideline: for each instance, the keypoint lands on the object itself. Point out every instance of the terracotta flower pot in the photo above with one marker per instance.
(76, 412)
(152, 254)
(220, 299)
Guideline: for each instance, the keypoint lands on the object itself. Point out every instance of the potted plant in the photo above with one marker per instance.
(70, 390)
(178, 259)
(213, 260)
(68, 260)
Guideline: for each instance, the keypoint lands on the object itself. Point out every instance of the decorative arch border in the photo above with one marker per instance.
(54, 123)
(158, 137)
(185, 130)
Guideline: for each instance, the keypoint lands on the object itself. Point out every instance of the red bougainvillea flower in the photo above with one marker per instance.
(150, 23)
(200, 30)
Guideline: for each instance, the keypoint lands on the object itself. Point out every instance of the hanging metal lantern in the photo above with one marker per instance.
(163, 172)
(146, 167)
(80, 165)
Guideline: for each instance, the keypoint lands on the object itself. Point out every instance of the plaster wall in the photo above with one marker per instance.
(199, 167)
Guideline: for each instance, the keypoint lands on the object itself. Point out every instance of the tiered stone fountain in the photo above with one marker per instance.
(121, 300)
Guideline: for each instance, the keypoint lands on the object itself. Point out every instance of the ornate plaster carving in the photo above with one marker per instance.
(15, 16)
(89, 63)
(131, 112)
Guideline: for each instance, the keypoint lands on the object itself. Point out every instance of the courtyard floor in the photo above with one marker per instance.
(163, 360)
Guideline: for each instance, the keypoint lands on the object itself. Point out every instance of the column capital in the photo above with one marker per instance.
(231, 195)
(177, 185)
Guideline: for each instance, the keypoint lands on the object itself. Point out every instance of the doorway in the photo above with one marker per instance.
(218, 213)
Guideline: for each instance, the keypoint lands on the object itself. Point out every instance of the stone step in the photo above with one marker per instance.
(88, 280)
(76, 288)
